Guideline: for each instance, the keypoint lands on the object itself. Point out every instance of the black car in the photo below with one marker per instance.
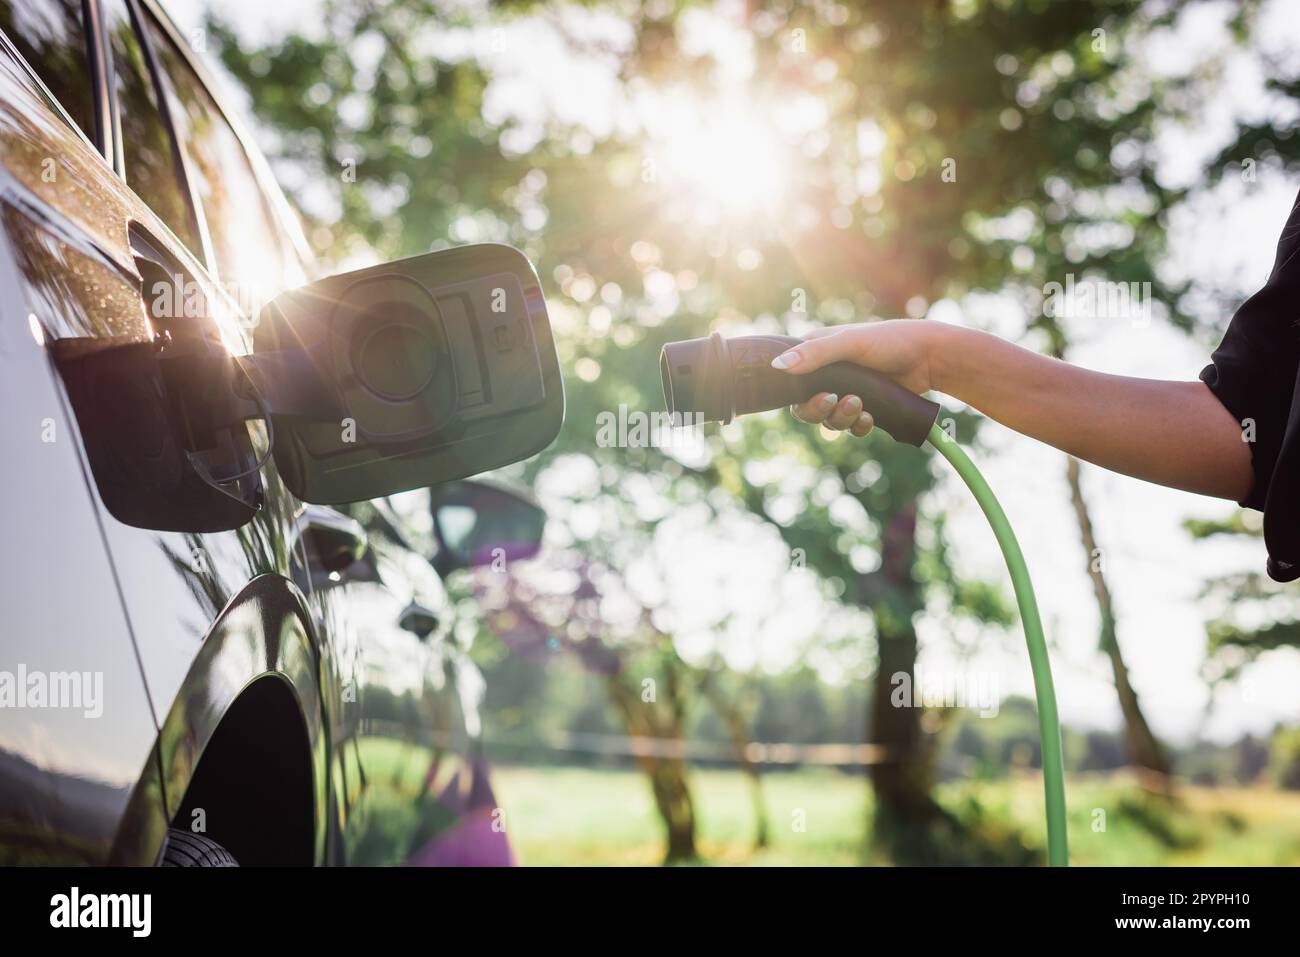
(203, 660)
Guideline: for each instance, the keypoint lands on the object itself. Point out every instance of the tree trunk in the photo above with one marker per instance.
(672, 794)
(903, 779)
(673, 799)
(1145, 750)
(762, 829)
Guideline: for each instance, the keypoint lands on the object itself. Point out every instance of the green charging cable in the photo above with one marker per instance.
(1049, 723)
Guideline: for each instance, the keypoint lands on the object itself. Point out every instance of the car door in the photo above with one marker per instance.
(237, 222)
(71, 771)
(146, 238)
(177, 583)
(373, 672)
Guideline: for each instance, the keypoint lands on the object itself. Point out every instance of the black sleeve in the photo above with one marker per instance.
(1253, 372)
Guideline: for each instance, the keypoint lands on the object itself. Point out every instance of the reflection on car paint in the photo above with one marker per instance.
(181, 624)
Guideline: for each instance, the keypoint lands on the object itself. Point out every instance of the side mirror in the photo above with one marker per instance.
(418, 620)
(336, 548)
(477, 523)
(408, 374)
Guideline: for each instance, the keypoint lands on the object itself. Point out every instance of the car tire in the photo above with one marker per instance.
(194, 850)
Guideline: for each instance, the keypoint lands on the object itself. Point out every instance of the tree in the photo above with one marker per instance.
(955, 147)
(729, 708)
(1256, 614)
(1145, 750)
(644, 677)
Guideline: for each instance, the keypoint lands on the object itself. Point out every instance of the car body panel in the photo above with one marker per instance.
(184, 623)
(265, 631)
(406, 740)
(65, 778)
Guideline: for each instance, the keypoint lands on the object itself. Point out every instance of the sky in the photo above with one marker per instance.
(1155, 570)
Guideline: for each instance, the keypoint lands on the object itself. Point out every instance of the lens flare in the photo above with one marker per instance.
(726, 155)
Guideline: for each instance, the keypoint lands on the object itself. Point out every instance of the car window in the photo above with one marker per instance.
(50, 37)
(245, 240)
(152, 163)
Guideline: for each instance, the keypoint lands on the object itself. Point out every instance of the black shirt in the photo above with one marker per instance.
(1254, 374)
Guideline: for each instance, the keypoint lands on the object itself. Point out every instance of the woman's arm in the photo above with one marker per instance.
(1174, 433)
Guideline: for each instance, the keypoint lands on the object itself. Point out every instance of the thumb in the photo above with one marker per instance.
(813, 353)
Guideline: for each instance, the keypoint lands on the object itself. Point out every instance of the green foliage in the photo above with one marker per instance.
(1257, 615)
(370, 138)
(976, 84)
(1014, 146)
(1238, 523)
(1285, 758)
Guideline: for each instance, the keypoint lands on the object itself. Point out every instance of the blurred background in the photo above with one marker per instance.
(767, 644)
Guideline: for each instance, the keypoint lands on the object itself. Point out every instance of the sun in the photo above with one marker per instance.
(725, 153)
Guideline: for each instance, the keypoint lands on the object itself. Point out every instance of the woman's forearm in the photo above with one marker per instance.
(1174, 433)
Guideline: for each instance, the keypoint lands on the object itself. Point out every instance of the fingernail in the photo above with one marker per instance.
(863, 419)
(786, 360)
(853, 404)
(829, 400)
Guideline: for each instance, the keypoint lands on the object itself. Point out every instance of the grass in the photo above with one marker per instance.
(565, 816)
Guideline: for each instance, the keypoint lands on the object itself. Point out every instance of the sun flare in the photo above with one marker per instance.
(724, 154)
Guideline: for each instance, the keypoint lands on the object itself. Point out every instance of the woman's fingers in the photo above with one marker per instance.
(816, 409)
(845, 413)
(820, 347)
(822, 331)
(819, 350)
(826, 408)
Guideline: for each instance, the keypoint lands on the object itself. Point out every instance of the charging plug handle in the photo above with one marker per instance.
(718, 379)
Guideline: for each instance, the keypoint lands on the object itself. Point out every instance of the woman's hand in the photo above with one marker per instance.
(900, 348)
(1174, 433)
